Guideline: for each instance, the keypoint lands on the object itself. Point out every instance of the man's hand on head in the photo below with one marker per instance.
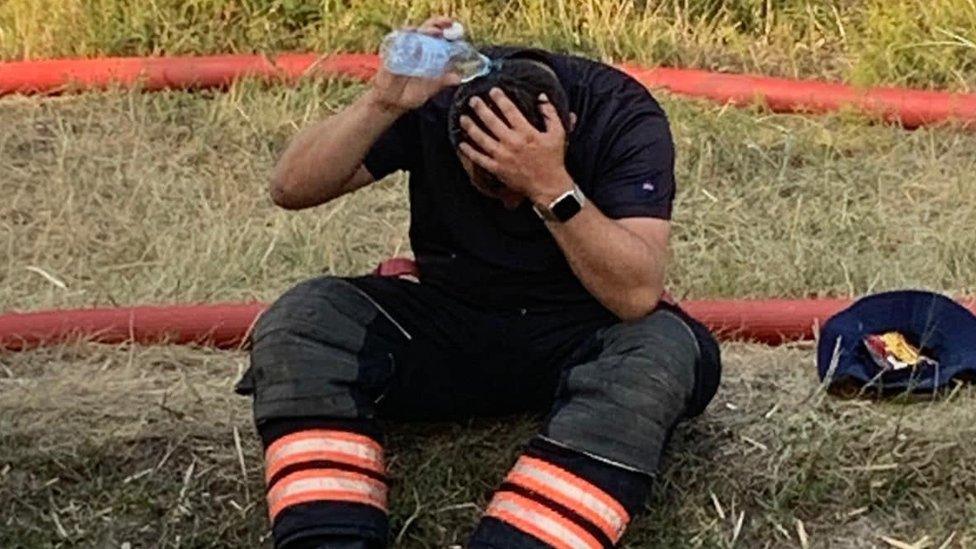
(528, 161)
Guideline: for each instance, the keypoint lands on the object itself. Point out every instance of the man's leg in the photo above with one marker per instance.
(324, 357)
(580, 481)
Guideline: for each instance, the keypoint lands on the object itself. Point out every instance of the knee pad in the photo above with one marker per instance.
(622, 406)
(311, 354)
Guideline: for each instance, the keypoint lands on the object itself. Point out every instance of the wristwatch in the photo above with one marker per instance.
(563, 208)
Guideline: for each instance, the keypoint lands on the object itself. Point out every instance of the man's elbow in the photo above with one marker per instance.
(282, 191)
(638, 304)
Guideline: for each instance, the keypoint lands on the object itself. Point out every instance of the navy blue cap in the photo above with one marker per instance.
(942, 329)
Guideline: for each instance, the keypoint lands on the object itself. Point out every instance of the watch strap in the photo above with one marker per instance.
(546, 212)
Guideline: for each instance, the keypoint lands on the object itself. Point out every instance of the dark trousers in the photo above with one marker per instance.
(343, 352)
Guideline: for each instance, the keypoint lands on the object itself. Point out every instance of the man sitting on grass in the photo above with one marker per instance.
(540, 199)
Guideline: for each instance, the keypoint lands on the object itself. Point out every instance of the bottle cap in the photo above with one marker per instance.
(454, 32)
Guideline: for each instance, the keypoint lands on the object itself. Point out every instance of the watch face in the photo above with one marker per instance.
(566, 208)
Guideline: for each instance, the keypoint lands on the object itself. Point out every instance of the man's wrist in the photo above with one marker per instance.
(553, 188)
(378, 107)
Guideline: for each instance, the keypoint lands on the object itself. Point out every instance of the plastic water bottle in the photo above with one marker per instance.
(410, 53)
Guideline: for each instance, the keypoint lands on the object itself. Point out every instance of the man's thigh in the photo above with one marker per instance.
(367, 347)
(460, 361)
(633, 384)
(330, 347)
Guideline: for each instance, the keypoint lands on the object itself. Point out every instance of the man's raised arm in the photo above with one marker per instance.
(325, 160)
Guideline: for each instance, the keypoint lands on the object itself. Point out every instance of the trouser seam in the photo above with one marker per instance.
(697, 380)
(384, 312)
(593, 456)
(690, 332)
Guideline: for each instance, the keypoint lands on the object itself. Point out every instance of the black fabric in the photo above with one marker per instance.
(463, 361)
(495, 534)
(327, 349)
(321, 321)
(708, 369)
(628, 488)
(271, 431)
(433, 357)
(340, 353)
(331, 524)
(622, 401)
(620, 153)
(335, 542)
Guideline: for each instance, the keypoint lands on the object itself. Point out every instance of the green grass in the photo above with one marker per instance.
(924, 43)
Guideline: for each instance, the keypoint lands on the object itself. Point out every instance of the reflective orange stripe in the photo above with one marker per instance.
(570, 491)
(541, 522)
(341, 446)
(325, 485)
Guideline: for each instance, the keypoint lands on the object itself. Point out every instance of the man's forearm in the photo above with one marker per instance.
(321, 160)
(621, 262)
(623, 271)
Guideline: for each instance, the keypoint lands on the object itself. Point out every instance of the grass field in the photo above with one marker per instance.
(925, 43)
(125, 198)
(122, 198)
(148, 446)
(128, 198)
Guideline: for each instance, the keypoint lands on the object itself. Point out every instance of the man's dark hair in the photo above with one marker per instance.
(522, 76)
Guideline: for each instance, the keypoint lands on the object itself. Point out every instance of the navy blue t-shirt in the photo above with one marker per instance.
(620, 154)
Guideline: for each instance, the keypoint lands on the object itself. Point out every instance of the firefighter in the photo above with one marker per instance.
(540, 198)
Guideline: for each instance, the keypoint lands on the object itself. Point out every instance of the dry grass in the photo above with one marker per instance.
(102, 446)
(927, 43)
(129, 198)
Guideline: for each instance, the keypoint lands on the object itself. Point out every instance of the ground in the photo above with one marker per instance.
(126, 198)
(102, 446)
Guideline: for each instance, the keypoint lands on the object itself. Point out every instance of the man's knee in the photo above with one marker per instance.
(307, 354)
(316, 308)
(622, 406)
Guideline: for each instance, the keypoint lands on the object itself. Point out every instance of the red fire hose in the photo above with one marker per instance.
(223, 326)
(770, 321)
(912, 108)
(226, 326)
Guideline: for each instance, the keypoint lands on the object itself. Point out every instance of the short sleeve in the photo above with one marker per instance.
(396, 149)
(635, 176)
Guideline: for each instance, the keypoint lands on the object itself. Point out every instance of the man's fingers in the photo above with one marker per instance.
(435, 26)
(549, 113)
(476, 134)
(496, 125)
(514, 116)
(440, 21)
(478, 158)
(451, 79)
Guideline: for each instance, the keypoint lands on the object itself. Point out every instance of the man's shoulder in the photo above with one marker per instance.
(573, 70)
(592, 84)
